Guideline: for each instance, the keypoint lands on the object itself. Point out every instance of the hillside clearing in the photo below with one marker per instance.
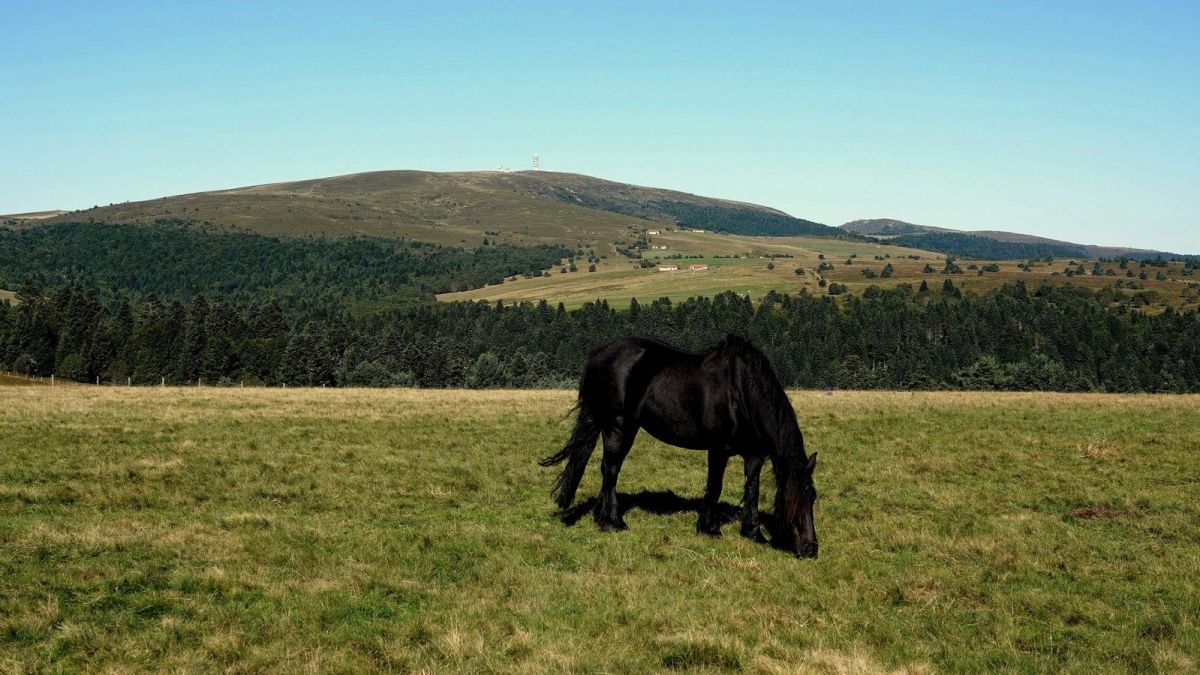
(367, 529)
(740, 264)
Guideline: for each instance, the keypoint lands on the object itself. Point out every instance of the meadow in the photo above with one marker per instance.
(347, 530)
(745, 265)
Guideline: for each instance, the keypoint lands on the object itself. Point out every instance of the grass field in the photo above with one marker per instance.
(346, 530)
(618, 279)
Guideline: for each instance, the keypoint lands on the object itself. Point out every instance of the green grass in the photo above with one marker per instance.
(350, 530)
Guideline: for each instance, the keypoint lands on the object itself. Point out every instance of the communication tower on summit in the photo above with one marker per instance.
(536, 163)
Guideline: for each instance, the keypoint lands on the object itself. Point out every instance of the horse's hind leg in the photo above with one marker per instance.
(618, 439)
(750, 528)
(710, 521)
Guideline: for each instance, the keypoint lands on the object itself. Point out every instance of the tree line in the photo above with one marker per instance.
(986, 248)
(714, 218)
(1049, 337)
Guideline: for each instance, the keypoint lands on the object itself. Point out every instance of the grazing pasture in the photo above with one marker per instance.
(344, 530)
(745, 265)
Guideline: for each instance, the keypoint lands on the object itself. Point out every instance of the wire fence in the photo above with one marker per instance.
(12, 377)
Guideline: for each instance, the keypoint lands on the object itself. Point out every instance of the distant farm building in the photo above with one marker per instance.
(668, 268)
(652, 232)
(697, 268)
(658, 247)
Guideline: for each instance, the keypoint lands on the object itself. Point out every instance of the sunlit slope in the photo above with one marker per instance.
(439, 208)
(747, 265)
(449, 208)
(755, 272)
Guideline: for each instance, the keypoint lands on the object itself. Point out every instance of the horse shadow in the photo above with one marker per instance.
(659, 503)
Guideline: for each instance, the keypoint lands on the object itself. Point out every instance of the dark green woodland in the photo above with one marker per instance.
(148, 304)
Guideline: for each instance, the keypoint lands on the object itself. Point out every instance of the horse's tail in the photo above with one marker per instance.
(576, 453)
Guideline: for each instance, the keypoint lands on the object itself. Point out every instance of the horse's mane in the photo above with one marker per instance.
(756, 380)
(759, 378)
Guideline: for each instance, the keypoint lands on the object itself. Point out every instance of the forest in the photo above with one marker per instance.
(985, 248)
(716, 218)
(1048, 338)
(167, 303)
(303, 274)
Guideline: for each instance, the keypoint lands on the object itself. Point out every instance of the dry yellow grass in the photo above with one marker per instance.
(618, 279)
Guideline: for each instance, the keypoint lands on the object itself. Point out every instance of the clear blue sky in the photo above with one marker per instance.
(1072, 120)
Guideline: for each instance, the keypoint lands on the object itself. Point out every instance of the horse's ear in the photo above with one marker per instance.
(812, 463)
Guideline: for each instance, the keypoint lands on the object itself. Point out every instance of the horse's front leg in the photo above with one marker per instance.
(709, 521)
(617, 441)
(750, 528)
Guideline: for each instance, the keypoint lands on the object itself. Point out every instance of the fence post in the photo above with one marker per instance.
(97, 380)
(164, 382)
(51, 379)
(128, 381)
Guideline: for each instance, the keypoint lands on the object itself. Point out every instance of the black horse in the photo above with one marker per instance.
(726, 400)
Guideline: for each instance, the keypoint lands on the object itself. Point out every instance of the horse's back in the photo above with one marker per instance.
(681, 398)
(613, 371)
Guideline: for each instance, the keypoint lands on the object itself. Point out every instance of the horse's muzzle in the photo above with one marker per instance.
(807, 551)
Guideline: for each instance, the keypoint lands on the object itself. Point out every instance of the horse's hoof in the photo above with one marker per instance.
(611, 525)
(755, 536)
(708, 529)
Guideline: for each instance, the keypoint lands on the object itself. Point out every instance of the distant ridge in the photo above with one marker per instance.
(456, 207)
(32, 215)
(990, 244)
(888, 227)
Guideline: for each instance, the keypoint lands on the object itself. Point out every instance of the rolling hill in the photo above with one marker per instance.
(989, 244)
(616, 236)
(888, 227)
(451, 208)
(31, 216)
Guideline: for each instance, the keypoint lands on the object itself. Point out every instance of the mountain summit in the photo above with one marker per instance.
(456, 207)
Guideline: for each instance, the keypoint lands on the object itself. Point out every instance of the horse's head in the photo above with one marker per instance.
(800, 530)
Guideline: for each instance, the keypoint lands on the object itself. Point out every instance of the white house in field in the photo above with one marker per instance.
(668, 268)
(651, 231)
(699, 267)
